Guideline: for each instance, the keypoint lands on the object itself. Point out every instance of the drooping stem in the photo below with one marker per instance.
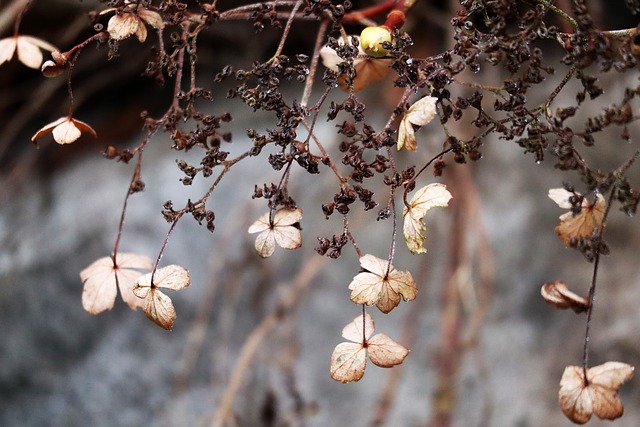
(16, 25)
(164, 246)
(592, 288)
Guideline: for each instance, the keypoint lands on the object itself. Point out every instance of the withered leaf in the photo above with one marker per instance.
(381, 284)
(423, 200)
(580, 399)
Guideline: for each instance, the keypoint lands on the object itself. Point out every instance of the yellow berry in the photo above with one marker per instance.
(371, 40)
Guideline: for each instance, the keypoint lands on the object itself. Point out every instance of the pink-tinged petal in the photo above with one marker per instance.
(366, 288)
(28, 53)
(159, 308)
(66, 132)
(7, 49)
(48, 128)
(126, 280)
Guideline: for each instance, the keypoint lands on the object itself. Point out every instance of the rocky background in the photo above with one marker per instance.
(59, 211)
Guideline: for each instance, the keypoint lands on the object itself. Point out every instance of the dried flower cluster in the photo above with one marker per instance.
(373, 175)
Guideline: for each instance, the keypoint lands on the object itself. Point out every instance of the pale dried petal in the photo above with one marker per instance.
(170, 277)
(368, 70)
(287, 217)
(122, 26)
(348, 362)
(261, 224)
(406, 136)
(610, 374)
(432, 195)
(385, 352)
(7, 49)
(376, 286)
(48, 128)
(141, 33)
(288, 237)
(366, 288)
(159, 308)
(265, 243)
(101, 279)
(281, 231)
(28, 53)
(422, 111)
(353, 331)
(84, 128)
(66, 132)
(152, 18)
(100, 289)
(558, 294)
(42, 44)
(600, 396)
(561, 197)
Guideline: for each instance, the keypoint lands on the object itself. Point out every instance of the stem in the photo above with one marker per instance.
(308, 84)
(560, 12)
(164, 245)
(592, 289)
(287, 28)
(16, 25)
(394, 232)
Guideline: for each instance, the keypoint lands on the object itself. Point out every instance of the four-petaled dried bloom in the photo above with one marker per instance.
(381, 284)
(427, 197)
(371, 39)
(583, 225)
(419, 114)
(103, 278)
(131, 20)
(558, 294)
(368, 69)
(28, 50)
(156, 305)
(65, 130)
(281, 228)
(349, 358)
(580, 398)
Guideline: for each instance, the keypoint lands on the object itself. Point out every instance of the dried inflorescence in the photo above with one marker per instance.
(520, 39)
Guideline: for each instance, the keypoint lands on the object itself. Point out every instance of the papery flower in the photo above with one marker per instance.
(65, 130)
(368, 69)
(381, 284)
(281, 229)
(429, 196)
(581, 397)
(28, 50)
(131, 20)
(576, 227)
(349, 359)
(419, 114)
(156, 305)
(104, 277)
